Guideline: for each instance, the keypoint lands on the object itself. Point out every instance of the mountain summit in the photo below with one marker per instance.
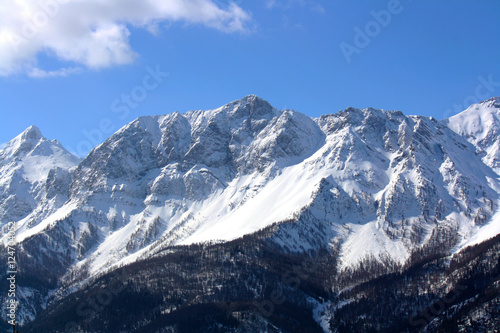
(21, 144)
(480, 124)
(28, 165)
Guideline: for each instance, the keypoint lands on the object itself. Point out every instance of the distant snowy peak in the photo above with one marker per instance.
(34, 176)
(32, 156)
(21, 144)
(478, 120)
(480, 125)
(32, 143)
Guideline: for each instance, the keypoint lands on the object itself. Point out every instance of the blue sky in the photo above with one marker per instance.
(72, 75)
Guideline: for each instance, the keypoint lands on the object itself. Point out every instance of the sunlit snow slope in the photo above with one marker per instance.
(480, 124)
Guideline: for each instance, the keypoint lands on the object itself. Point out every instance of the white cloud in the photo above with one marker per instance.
(95, 33)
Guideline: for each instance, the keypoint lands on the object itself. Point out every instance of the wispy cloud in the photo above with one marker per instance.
(318, 9)
(271, 3)
(313, 5)
(40, 73)
(95, 33)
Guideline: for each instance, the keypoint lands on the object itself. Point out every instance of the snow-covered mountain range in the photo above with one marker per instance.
(366, 185)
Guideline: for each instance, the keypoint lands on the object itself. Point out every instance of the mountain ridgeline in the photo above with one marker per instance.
(251, 219)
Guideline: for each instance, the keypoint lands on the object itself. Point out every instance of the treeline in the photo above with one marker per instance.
(201, 288)
(251, 285)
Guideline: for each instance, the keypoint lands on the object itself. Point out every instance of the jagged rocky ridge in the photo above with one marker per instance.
(367, 187)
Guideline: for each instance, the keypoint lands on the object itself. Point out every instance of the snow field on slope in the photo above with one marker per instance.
(481, 234)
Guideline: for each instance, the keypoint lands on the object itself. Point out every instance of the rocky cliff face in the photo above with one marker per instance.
(366, 186)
